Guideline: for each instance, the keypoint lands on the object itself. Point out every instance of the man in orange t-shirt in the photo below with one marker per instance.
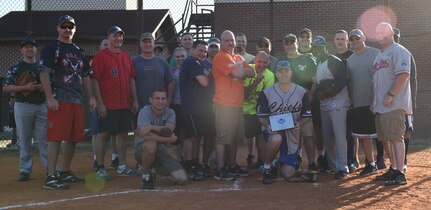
(229, 70)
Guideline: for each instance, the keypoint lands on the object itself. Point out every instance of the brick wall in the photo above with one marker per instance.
(413, 18)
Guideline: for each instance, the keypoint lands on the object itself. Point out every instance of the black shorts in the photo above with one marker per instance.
(363, 121)
(179, 123)
(315, 111)
(116, 121)
(252, 126)
(202, 124)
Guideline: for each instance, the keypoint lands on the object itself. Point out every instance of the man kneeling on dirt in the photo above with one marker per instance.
(282, 109)
(154, 129)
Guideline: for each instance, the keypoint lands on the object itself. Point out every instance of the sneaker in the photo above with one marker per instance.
(193, 175)
(125, 171)
(250, 162)
(352, 168)
(237, 171)
(53, 183)
(207, 170)
(369, 169)
(267, 176)
(68, 177)
(387, 175)
(148, 184)
(310, 176)
(24, 176)
(102, 174)
(340, 175)
(258, 164)
(398, 178)
(115, 163)
(199, 170)
(139, 169)
(224, 175)
(322, 165)
(312, 167)
(405, 168)
(380, 163)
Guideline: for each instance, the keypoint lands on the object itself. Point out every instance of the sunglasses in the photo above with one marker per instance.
(68, 27)
(354, 38)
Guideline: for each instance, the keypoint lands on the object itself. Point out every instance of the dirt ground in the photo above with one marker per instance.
(246, 193)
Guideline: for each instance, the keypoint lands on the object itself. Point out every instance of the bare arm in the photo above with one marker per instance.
(242, 73)
(400, 81)
(134, 106)
(29, 87)
(203, 80)
(149, 133)
(171, 89)
(51, 102)
(96, 93)
(87, 87)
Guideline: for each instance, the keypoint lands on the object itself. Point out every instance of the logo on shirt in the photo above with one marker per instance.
(74, 67)
(302, 67)
(114, 72)
(404, 63)
(285, 108)
(380, 65)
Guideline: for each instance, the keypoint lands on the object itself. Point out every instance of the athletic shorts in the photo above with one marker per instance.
(116, 121)
(316, 116)
(229, 124)
(197, 125)
(363, 122)
(179, 123)
(391, 125)
(307, 129)
(164, 163)
(94, 122)
(65, 124)
(252, 126)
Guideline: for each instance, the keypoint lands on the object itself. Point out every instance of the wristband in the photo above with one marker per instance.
(390, 94)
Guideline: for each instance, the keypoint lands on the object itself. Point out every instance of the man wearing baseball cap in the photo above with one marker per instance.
(65, 63)
(332, 92)
(22, 79)
(264, 44)
(305, 37)
(115, 92)
(281, 100)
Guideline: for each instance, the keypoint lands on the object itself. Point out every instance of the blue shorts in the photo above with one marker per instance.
(289, 159)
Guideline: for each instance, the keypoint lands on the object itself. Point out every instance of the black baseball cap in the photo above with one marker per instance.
(291, 37)
(66, 19)
(27, 41)
(306, 30)
(115, 29)
(397, 32)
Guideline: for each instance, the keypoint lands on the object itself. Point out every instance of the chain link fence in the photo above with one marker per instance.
(37, 18)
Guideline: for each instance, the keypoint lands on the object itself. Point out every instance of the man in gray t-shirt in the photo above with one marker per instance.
(155, 128)
(151, 72)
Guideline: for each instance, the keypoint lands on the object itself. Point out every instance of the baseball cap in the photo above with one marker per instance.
(288, 37)
(27, 41)
(283, 64)
(319, 40)
(65, 19)
(356, 32)
(214, 40)
(115, 29)
(306, 30)
(397, 32)
(146, 35)
(263, 39)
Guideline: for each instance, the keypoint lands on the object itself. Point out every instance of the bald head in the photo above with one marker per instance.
(261, 60)
(262, 55)
(227, 41)
(385, 34)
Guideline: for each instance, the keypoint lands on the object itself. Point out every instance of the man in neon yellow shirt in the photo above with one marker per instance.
(252, 88)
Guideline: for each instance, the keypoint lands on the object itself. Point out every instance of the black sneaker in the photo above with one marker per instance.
(387, 175)
(369, 169)
(53, 183)
(115, 163)
(310, 176)
(250, 162)
(24, 176)
(199, 170)
(340, 175)
(322, 165)
(380, 163)
(193, 175)
(67, 176)
(237, 171)
(223, 174)
(398, 178)
(267, 176)
(148, 184)
(352, 168)
(207, 170)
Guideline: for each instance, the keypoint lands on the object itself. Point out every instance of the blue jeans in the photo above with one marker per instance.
(31, 123)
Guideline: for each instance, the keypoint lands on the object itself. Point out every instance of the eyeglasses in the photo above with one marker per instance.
(305, 37)
(354, 38)
(68, 27)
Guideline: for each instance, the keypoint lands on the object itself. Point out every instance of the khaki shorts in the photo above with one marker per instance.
(229, 124)
(391, 126)
(307, 129)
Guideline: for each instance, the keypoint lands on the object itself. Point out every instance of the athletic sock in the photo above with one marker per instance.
(266, 166)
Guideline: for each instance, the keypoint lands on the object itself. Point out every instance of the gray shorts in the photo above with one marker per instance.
(164, 163)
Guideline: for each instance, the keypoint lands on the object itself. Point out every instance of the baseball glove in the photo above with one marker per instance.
(165, 132)
(25, 78)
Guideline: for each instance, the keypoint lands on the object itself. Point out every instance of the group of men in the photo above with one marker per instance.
(219, 92)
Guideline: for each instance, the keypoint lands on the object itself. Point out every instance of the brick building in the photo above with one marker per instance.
(275, 18)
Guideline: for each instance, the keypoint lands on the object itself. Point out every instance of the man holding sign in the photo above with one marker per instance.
(282, 109)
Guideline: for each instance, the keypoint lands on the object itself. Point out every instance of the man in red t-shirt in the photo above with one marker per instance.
(229, 70)
(115, 93)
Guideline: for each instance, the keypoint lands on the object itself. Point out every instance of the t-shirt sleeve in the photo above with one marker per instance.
(48, 57)
(195, 69)
(171, 117)
(402, 61)
(11, 76)
(144, 117)
(262, 108)
(306, 108)
(168, 75)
